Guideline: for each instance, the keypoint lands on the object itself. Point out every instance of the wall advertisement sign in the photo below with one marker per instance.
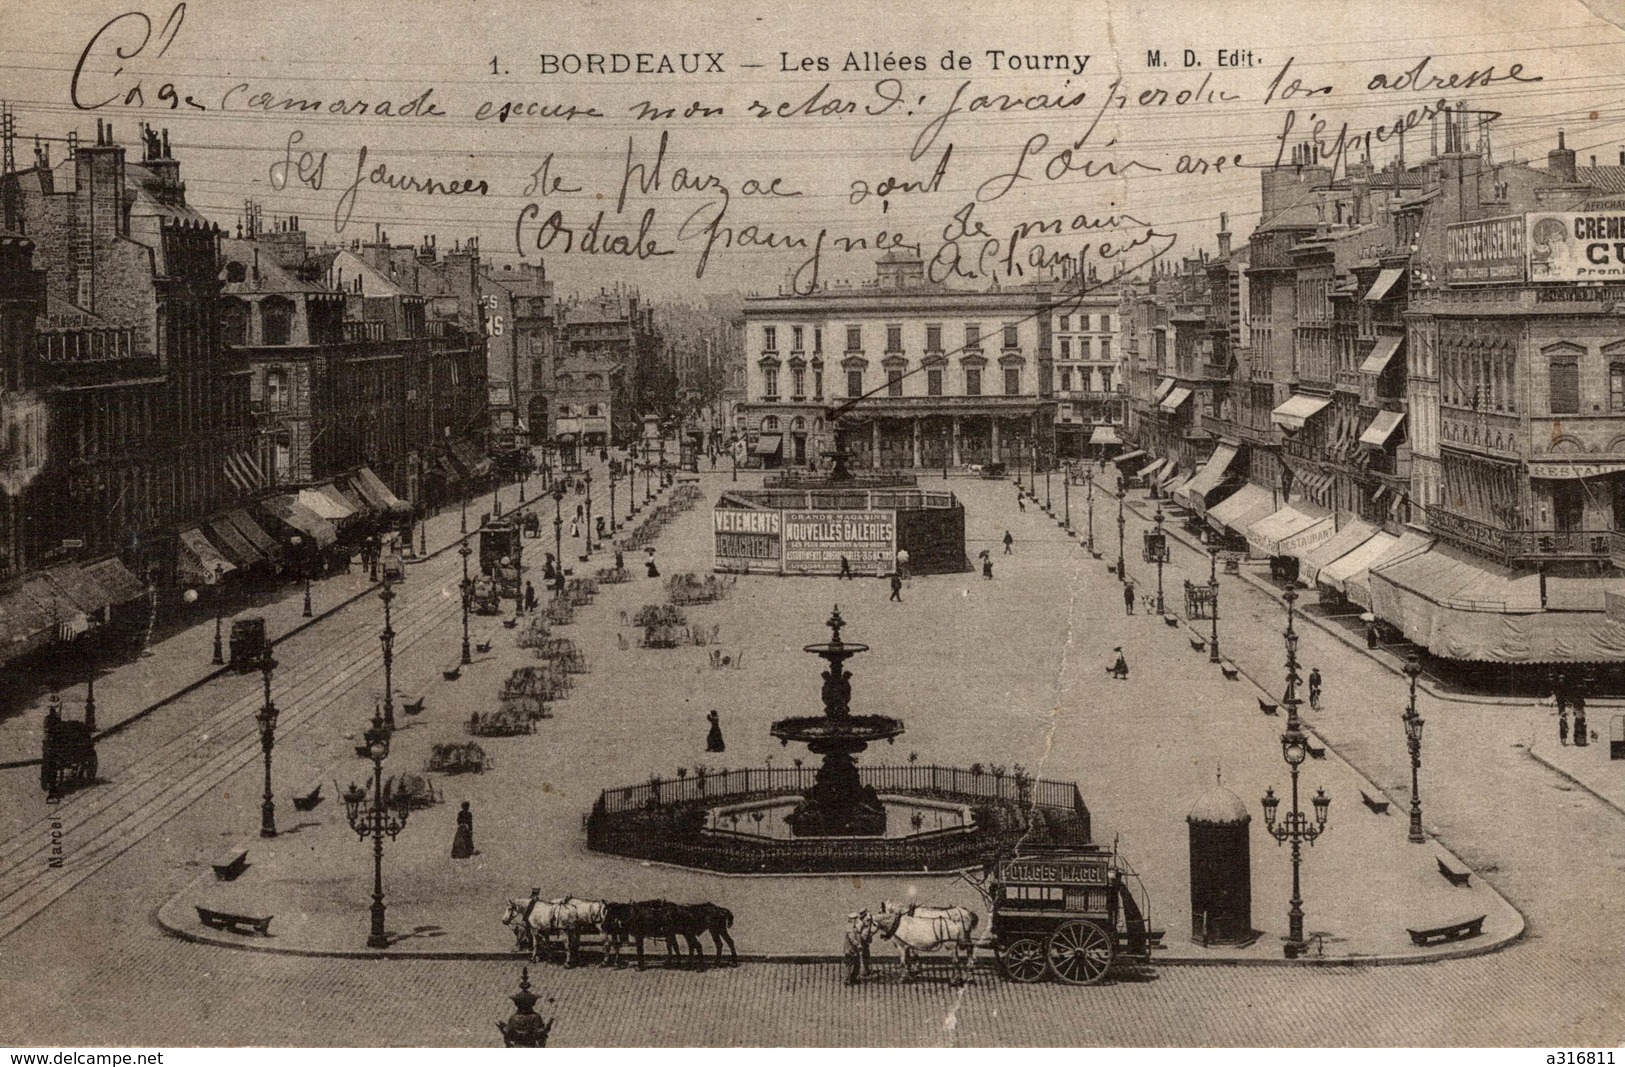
(815, 541)
(1576, 246)
(1489, 250)
(748, 541)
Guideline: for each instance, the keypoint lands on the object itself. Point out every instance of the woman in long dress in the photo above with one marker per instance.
(713, 737)
(462, 844)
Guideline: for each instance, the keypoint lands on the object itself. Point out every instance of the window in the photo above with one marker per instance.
(770, 424)
(277, 320)
(854, 383)
(1616, 386)
(770, 383)
(973, 335)
(818, 338)
(1106, 347)
(1066, 322)
(894, 338)
(933, 338)
(854, 338)
(1084, 345)
(595, 381)
(276, 391)
(795, 338)
(798, 383)
(564, 411)
(973, 381)
(592, 411)
(1066, 348)
(1010, 339)
(770, 338)
(1105, 379)
(1105, 324)
(1565, 387)
(1012, 381)
(933, 383)
(818, 383)
(894, 383)
(566, 381)
(1066, 379)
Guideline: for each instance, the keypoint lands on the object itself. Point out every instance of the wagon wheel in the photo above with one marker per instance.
(1023, 959)
(1079, 952)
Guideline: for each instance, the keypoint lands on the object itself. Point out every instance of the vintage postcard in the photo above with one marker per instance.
(735, 524)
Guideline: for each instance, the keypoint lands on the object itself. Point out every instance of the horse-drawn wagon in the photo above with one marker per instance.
(68, 755)
(1070, 912)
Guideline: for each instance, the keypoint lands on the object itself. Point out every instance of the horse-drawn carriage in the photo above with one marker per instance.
(1198, 600)
(1070, 912)
(484, 597)
(68, 755)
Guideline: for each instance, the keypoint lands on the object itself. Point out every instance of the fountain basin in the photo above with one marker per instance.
(855, 729)
(906, 817)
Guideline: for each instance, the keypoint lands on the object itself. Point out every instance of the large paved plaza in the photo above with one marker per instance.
(1008, 671)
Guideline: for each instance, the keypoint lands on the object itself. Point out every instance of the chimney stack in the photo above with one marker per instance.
(1560, 161)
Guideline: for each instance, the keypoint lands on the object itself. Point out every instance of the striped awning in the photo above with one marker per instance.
(1151, 468)
(307, 522)
(200, 562)
(331, 506)
(1299, 409)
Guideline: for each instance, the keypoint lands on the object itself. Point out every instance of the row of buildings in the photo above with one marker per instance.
(179, 401)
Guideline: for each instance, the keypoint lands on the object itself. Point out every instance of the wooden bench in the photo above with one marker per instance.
(1459, 930)
(411, 705)
(230, 865)
(451, 674)
(1266, 707)
(237, 924)
(1315, 752)
(482, 647)
(1230, 671)
(1378, 807)
(308, 801)
(1197, 644)
(1453, 876)
(1170, 620)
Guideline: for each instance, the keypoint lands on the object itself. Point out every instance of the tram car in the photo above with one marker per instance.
(1069, 912)
(68, 754)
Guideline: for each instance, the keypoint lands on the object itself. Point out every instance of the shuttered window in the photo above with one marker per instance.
(1565, 387)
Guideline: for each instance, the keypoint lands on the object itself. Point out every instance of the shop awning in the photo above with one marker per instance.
(115, 578)
(237, 548)
(1385, 281)
(1299, 409)
(1104, 435)
(1174, 399)
(768, 444)
(25, 622)
(358, 503)
(1382, 427)
(1177, 486)
(1164, 387)
(1290, 530)
(1351, 575)
(291, 511)
(1194, 493)
(1150, 468)
(1128, 457)
(469, 456)
(448, 470)
(254, 532)
(1169, 473)
(1353, 534)
(1377, 361)
(374, 489)
(1241, 509)
(200, 562)
(331, 506)
(65, 618)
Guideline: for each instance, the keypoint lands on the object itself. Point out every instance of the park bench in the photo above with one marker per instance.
(411, 705)
(232, 923)
(1447, 932)
(1170, 620)
(1266, 707)
(1315, 752)
(1197, 644)
(1453, 876)
(451, 674)
(1378, 807)
(1230, 670)
(230, 864)
(309, 800)
(482, 647)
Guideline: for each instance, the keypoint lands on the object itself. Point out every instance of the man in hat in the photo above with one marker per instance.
(855, 951)
(1119, 669)
(1128, 596)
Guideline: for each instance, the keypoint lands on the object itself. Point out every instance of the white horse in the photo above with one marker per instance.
(567, 916)
(922, 928)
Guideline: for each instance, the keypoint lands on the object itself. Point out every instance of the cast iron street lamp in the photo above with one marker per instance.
(1213, 608)
(946, 446)
(266, 718)
(1296, 827)
(1091, 545)
(614, 468)
(462, 514)
(382, 816)
(90, 696)
(648, 474)
(523, 467)
(387, 638)
(496, 488)
(1017, 443)
(1066, 497)
(219, 659)
(1156, 551)
(586, 552)
(1122, 575)
(558, 534)
(468, 595)
(733, 451)
(1413, 738)
(296, 541)
(1048, 504)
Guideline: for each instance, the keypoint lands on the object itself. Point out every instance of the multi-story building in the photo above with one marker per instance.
(518, 320)
(900, 373)
(1089, 387)
(590, 385)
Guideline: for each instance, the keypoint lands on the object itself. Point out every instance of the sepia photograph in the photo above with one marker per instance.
(617, 524)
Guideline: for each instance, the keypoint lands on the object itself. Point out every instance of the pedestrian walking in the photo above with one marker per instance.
(855, 950)
(530, 597)
(902, 562)
(1021, 501)
(897, 588)
(462, 842)
(620, 560)
(846, 568)
(987, 567)
(1119, 668)
(713, 736)
(598, 522)
(649, 564)
(1314, 688)
(1128, 597)
(1008, 541)
(1562, 726)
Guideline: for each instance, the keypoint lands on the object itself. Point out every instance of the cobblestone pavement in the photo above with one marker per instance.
(1548, 847)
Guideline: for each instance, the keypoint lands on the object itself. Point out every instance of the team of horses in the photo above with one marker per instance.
(536, 924)
(920, 928)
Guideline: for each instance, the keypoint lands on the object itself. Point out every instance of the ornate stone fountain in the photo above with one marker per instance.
(838, 804)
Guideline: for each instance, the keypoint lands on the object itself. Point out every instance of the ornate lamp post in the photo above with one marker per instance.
(1213, 608)
(1091, 544)
(1048, 504)
(468, 595)
(1122, 575)
(733, 451)
(387, 638)
(219, 659)
(90, 697)
(522, 470)
(496, 488)
(1413, 739)
(462, 515)
(266, 719)
(586, 553)
(384, 815)
(1156, 551)
(296, 542)
(1019, 486)
(1066, 497)
(614, 468)
(947, 448)
(1296, 827)
(558, 534)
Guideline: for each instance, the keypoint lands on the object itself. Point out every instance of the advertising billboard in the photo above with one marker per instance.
(815, 541)
(748, 541)
(1489, 250)
(1576, 246)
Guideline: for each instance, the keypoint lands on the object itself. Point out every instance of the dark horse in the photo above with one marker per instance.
(664, 919)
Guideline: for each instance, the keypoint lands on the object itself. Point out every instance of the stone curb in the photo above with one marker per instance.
(1569, 776)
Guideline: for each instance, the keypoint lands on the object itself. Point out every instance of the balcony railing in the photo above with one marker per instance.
(84, 345)
(1510, 546)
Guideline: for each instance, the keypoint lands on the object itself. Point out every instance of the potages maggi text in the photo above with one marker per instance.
(816, 541)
